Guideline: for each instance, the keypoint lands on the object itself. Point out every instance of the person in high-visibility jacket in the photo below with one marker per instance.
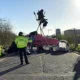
(0, 51)
(1, 48)
(21, 43)
(30, 43)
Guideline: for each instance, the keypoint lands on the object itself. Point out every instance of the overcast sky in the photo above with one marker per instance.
(63, 14)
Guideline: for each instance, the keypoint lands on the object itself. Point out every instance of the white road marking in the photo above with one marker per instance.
(2, 59)
(41, 63)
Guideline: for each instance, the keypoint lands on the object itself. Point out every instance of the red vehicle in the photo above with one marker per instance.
(43, 41)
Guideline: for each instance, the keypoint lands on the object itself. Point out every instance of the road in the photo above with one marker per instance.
(42, 67)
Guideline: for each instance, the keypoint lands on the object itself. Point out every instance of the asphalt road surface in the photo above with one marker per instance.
(42, 67)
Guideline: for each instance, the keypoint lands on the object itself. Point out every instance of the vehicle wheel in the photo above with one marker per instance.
(54, 49)
(45, 47)
(40, 49)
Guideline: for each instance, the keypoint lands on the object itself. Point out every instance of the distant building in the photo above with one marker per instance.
(74, 33)
(58, 32)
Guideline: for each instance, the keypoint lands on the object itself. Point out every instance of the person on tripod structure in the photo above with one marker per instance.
(41, 18)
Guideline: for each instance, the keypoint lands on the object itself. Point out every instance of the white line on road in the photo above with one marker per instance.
(2, 59)
(41, 63)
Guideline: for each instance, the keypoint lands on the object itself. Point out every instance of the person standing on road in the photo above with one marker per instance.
(30, 43)
(0, 51)
(22, 42)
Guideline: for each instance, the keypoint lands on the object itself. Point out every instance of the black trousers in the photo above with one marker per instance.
(22, 52)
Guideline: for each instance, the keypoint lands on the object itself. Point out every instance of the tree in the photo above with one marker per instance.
(6, 34)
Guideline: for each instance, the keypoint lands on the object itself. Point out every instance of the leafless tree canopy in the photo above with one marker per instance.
(6, 34)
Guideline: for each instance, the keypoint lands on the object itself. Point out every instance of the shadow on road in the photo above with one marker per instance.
(59, 53)
(9, 70)
(52, 53)
(40, 52)
(77, 69)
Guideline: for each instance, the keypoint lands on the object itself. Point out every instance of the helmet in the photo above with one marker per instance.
(20, 34)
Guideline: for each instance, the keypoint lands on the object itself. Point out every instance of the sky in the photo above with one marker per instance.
(63, 14)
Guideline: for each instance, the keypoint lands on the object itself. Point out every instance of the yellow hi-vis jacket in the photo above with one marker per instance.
(0, 51)
(21, 41)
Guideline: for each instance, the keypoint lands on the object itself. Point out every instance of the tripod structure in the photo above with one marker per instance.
(39, 27)
(41, 30)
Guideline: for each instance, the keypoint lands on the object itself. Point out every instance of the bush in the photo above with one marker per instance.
(72, 47)
(78, 47)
